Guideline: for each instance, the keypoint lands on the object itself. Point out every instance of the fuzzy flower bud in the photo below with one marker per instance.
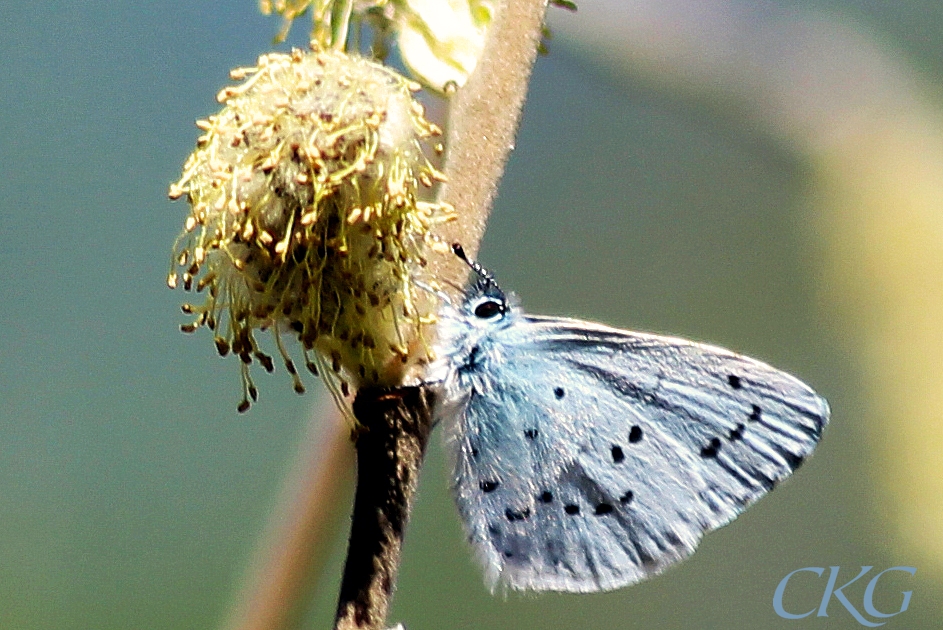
(306, 219)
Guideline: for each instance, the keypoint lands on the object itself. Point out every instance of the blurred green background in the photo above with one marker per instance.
(132, 494)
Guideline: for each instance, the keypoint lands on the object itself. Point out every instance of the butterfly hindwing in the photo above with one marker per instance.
(588, 458)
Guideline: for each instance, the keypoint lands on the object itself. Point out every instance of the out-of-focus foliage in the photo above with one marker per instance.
(439, 41)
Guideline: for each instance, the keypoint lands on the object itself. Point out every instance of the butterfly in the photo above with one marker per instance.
(587, 458)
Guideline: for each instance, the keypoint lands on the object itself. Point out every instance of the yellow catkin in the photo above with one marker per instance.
(306, 218)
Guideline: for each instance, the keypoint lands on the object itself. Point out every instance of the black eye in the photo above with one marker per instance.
(489, 309)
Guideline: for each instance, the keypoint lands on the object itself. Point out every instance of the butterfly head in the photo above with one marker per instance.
(485, 302)
(470, 335)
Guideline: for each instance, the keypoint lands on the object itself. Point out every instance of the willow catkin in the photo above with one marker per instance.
(306, 219)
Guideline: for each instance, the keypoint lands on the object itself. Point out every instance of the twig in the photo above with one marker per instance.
(390, 446)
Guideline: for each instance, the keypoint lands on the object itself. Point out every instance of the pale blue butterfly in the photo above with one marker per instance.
(587, 458)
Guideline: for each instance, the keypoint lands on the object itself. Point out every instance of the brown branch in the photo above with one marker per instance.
(390, 447)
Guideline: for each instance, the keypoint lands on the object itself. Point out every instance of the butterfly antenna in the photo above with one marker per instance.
(477, 268)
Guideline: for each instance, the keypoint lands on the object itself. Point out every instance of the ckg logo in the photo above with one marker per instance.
(867, 603)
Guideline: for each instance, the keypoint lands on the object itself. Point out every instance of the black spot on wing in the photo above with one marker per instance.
(571, 509)
(603, 509)
(734, 381)
(626, 498)
(736, 433)
(488, 486)
(756, 414)
(635, 434)
(617, 455)
(530, 434)
(546, 496)
(558, 392)
(710, 451)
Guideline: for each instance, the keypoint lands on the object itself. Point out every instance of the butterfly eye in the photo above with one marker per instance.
(489, 309)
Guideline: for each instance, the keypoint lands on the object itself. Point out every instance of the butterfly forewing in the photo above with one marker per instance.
(588, 458)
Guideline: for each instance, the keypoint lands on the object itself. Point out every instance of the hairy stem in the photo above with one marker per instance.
(390, 446)
(483, 119)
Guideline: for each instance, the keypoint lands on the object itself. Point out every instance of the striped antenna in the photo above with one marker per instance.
(477, 268)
